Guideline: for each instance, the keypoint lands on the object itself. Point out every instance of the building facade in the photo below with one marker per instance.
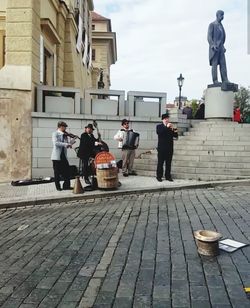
(42, 42)
(104, 50)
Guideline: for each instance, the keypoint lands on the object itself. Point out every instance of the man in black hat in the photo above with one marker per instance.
(166, 133)
(59, 155)
(87, 150)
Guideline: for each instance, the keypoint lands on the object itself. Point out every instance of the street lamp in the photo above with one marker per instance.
(180, 80)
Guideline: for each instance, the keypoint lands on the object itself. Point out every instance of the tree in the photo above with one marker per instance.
(242, 100)
(194, 103)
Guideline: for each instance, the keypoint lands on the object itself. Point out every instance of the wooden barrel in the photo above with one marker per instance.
(107, 178)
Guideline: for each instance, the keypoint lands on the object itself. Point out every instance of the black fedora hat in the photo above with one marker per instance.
(165, 115)
(90, 126)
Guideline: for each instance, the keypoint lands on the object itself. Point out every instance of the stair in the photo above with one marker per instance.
(208, 151)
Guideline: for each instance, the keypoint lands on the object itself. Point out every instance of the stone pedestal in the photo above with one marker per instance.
(218, 103)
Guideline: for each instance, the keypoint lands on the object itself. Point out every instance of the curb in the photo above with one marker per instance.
(114, 193)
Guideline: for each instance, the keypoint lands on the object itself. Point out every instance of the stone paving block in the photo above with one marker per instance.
(201, 304)
(79, 283)
(161, 293)
(50, 301)
(199, 293)
(36, 296)
(47, 283)
(123, 303)
(12, 303)
(180, 299)
(218, 296)
(72, 296)
(105, 298)
(68, 305)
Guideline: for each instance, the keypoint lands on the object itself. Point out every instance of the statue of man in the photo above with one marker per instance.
(216, 38)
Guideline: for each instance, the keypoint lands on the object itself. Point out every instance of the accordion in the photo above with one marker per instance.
(131, 140)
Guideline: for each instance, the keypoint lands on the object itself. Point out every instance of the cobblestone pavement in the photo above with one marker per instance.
(133, 251)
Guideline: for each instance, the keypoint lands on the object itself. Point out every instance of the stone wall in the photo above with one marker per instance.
(44, 124)
(15, 135)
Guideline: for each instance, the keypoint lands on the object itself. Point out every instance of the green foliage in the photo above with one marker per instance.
(242, 100)
(194, 103)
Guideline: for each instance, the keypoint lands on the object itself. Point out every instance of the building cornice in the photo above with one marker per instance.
(63, 10)
(50, 30)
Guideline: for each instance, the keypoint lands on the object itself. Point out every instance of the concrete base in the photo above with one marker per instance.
(218, 103)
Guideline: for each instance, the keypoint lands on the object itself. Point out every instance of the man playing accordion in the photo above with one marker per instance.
(128, 141)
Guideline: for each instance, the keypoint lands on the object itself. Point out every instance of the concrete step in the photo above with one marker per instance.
(217, 123)
(213, 137)
(190, 156)
(217, 133)
(186, 141)
(211, 158)
(211, 171)
(209, 151)
(204, 161)
(204, 147)
(195, 176)
(206, 176)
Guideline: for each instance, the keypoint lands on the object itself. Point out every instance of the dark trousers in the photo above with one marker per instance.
(219, 59)
(85, 168)
(166, 157)
(61, 168)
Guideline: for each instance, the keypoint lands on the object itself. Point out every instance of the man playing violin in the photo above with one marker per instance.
(59, 157)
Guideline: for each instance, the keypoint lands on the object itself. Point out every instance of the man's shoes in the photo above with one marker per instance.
(159, 179)
(132, 173)
(59, 189)
(169, 179)
(125, 174)
(67, 188)
(87, 181)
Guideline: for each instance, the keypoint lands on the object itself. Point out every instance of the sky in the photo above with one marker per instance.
(159, 39)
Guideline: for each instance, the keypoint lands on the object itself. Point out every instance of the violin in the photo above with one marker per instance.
(71, 135)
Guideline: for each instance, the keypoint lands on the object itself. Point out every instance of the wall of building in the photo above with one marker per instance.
(3, 4)
(100, 26)
(48, 10)
(102, 60)
(15, 135)
(19, 77)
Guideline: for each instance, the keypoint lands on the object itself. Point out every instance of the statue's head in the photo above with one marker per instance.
(219, 15)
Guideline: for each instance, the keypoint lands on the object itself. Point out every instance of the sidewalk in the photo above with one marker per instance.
(11, 196)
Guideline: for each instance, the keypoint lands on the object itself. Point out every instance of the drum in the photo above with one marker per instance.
(107, 178)
(106, 171)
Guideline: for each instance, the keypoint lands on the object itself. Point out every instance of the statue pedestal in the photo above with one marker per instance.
(218, 103)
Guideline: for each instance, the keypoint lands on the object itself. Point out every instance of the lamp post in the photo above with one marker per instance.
(180, 81)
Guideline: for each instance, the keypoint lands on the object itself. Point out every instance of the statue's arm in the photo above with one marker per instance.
(210, 35)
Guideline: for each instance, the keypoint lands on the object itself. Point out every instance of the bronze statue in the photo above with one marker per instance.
(216, 38)
(101, 84)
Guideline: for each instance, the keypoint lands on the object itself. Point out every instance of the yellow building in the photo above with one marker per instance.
(104, 50)
(42, 42)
